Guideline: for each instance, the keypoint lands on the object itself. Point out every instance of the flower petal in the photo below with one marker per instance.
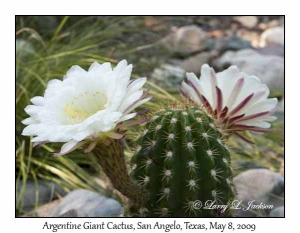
(68, 147)
(206, 84)
(135, 86)
(192, 78)
(263, 105)
(115, 135)
(100, 69)
(129, 100)
(32, 110)
(128, 116)
(190, 92)
(235, 93)
(241, 105)
(137, 104)
(29, 121)
(83, 134)
(226, 82)
(75, 72)
(38, 100)
(219, 99)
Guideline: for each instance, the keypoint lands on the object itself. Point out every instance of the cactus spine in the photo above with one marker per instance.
(182, 157)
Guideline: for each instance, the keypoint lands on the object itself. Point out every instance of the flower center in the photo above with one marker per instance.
(83, 106)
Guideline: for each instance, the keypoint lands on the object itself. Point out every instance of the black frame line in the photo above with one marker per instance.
(152, 217)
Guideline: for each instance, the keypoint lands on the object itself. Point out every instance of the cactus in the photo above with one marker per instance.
(181, 158)
(112, 160)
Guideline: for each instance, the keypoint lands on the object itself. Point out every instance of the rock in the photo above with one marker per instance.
(44, 210)
(47, 191)
(280, 105)
(47, 23)
(194, 63)
(168, 76)
(280, 110)
(255, 183)
(268, 68)
(277, 50)
(266, 23)
(247, 21)
(277, 212)
(185, 40)
(228, 43)
(23, 48)
(246, 165)
(87, 204)
(70, 214)
(281, 21)
(272, 36)
(261, 186)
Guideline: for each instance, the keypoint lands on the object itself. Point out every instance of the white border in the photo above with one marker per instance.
(153, 7)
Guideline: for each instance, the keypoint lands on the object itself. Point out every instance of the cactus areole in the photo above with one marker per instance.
(182, 160)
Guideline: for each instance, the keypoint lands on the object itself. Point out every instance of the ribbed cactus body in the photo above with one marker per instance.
(181, 158)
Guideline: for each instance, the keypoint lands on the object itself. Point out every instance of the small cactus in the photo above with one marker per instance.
(181, 158)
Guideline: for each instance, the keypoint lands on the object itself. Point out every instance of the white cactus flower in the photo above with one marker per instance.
(237, 100)
(86, 106)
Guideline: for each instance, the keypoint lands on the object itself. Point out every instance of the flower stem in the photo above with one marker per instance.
(112, 160)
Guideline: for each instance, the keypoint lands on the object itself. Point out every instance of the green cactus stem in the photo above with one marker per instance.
(181, 158)
(112, 160)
